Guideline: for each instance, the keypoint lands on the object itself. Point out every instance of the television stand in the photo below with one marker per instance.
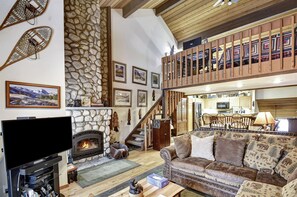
(41, 177)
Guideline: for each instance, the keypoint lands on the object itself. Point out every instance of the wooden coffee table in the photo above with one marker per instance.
(149, 190)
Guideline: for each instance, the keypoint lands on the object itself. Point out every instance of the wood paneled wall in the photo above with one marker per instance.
(279, 108)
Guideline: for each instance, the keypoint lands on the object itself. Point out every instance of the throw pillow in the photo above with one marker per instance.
(290, 189)
(230, 151)
(262, 156)
(182, 146)
(202, 147)
(287, 165)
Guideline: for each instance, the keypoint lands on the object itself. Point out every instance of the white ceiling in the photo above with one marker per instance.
(248, 84)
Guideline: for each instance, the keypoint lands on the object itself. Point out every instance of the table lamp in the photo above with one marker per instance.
(264, 118)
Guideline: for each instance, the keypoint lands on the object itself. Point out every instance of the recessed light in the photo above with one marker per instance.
(239, 85)
(277, 81)
(207, 89)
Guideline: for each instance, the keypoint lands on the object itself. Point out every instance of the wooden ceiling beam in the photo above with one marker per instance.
(247, 19)
(167, 5)
(132, 6)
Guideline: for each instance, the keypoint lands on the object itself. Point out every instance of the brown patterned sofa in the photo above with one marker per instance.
(222, 179)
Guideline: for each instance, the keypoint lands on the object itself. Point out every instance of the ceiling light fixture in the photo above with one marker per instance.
(277, 81)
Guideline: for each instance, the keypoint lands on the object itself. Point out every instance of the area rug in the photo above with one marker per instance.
(158, 170)
(102, 172)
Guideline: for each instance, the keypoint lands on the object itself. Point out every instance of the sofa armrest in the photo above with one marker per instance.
(168, 153)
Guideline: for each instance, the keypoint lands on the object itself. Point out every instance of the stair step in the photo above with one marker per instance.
(140, 129)
(138, 135)
(135, 143)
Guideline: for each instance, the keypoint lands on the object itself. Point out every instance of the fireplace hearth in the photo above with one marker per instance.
(87, 144)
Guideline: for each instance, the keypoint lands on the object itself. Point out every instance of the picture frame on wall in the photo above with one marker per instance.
(139, 75)
(30, 95)
(122, 97)
(155, 80)
(141, 98)
(119, 72)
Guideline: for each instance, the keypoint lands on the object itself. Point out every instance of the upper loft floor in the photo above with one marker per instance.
(264, 50)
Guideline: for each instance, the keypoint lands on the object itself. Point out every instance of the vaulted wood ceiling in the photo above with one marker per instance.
(188, 19)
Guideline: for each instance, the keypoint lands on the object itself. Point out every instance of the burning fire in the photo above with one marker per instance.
(86, 144)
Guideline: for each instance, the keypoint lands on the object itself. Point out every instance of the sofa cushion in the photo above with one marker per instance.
(257, 189)
(262, 156)
(232, 174)
(290, 190)
(193, 165)
(202, 147)
(293, 176)
(182, 146)
(230, 151)
(287, 165)
(273, 179)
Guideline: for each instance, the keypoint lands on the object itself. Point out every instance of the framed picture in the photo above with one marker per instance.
(155, 80)
(119, 72)
(139, 75)
(141, 98)
(85, 101)
(29, 95)
(122, 97)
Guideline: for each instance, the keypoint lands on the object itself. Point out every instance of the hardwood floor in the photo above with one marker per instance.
(148, 160)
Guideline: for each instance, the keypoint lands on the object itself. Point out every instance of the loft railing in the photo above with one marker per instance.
(230, 57)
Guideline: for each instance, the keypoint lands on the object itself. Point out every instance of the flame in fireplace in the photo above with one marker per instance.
(86, 144)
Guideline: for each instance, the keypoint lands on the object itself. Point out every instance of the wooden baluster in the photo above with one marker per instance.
(163, 70)
(175, 71)
(270, 47)
(259, 49)
(293, 41)
(281, 44)
(250, 51)
(209, 62)
(203, 62)
(145, 139)
(170, 71)
(225, 56)
(192, 66)
(232, 56)
(241, 54)
(186, 66)
(217, 59)
(197, 64)
(180, 68)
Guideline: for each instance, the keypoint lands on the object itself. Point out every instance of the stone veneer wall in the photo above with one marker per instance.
(104, 52)
(83, 70)
(92, 119)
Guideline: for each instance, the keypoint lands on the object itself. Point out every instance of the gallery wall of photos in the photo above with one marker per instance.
(123, 97)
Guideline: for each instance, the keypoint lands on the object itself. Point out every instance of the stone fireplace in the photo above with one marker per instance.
(86, 144)
(91, 132)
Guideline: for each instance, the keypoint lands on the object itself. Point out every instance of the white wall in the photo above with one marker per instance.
(140, 40)
(49, 69)
(272, 93)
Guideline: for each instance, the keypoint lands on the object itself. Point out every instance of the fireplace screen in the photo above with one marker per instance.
(87, 144)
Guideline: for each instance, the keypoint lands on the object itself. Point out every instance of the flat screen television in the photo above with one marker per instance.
(30, 140)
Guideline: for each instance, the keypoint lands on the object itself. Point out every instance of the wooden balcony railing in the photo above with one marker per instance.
(237, 56)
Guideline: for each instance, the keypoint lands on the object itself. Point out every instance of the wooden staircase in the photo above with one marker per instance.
(141, 135)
